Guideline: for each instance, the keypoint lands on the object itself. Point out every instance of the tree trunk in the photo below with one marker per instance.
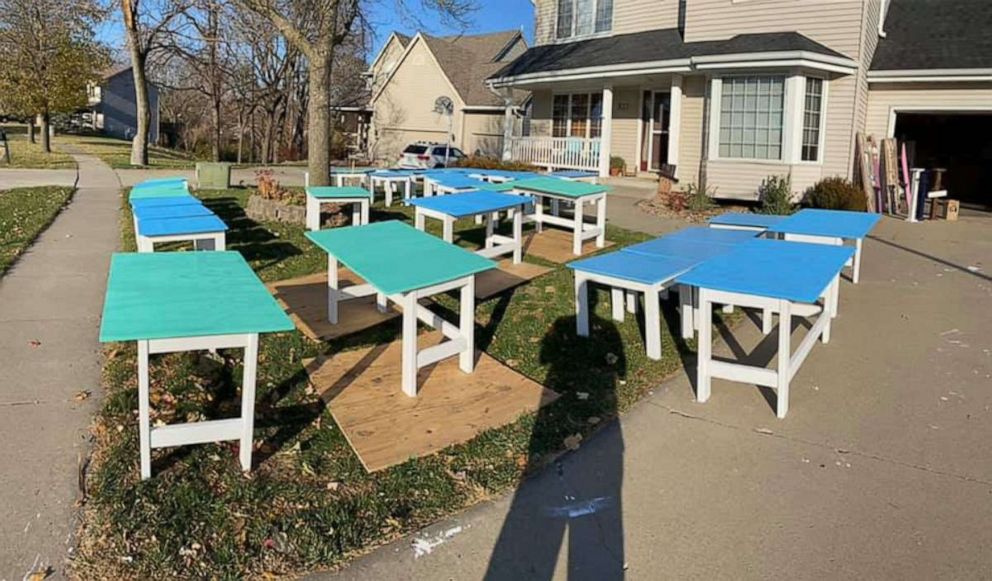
(319, 120)
(215, 129)
(31, 129)
(139, 145)
(46, 140)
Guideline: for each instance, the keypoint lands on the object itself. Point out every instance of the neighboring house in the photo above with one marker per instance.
(352, 123)
(113, 105)
(731, 91)
(409, 74)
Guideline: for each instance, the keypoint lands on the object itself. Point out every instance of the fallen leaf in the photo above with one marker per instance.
(82, 395)
(593, 420)
(582, 395)
(572, 442)
(34, 343)
(333, 486)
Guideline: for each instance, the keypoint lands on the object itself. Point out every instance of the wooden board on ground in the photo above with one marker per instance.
(386, 427)
(555, 245)
(508, 275)
(305, 300)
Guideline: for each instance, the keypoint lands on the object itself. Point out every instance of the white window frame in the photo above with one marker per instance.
(801, 120)
(792, 118)
(572, 34)
(568, 118)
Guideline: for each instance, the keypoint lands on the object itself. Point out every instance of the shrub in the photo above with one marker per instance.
(775, 195)
(617, 162)
(482, 162)
(698, 199)
(835, 194)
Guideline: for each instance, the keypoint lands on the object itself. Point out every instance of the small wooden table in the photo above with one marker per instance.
(576, 193)
(360, 198)
(485, 204)
(190, 301)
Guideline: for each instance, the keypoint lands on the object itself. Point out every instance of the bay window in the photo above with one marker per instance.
(812, 119)
(578, 18)
(577, 115)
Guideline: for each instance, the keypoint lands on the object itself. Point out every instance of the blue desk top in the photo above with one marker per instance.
(455, 180)
(747, 220)
(678, 248)
(643, 268)
(833, 223)
(471, 203)
(391, 173)
(772, 268)
(158, 182)
(162, 191)
(186, 200)
(338, 193)
(178, 226)
(574, 174)
(704, 235)
(351, 170)
(173, 211)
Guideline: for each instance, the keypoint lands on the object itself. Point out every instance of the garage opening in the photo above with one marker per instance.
(960, 143)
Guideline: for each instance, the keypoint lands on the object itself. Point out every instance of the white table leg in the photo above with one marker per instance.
(418, 220)
(539, 213)
(705, 346)
(356, 213)
(652, 324)
(466, 323)
(144, 420)
(617, 301)
(409, 344)
(220, 241)
(518, 236)
(581, 304)
(555, 207)
(490, 228)
(366, 208)
(381, 303)
(390, 190)
(766, 321)
(784, 357)
(449, 229)
(577, 226)
(828, 306)
(248, 402)
(601, 222)
(631, 302)
(313, 213)
(408, 193)
(856, 271)
(332, 290)
(728, 309)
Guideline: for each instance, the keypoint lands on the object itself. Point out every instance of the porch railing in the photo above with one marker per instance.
(556, 152)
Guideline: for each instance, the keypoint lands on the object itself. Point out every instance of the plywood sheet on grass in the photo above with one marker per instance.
(555, 245)
(305, 300)
(508, 275)
(386, 427)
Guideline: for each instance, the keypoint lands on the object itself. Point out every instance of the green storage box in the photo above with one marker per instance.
(213, 175)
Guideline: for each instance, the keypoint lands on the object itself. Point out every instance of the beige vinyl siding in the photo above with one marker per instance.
(835, 23)
(544, 21)
(540, 122)
(391, 53)
(641, 15)
(839, 124)
(883, 98)
(483, 132)
(691, 136)
(403, 110)
(739, 180)
(625, 124)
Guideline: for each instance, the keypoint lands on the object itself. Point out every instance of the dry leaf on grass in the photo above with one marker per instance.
(572, 442)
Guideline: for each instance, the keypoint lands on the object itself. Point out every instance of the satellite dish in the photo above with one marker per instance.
(444, 106)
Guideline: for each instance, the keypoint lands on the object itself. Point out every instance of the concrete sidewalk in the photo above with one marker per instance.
(28, 178)
(880, 471)
(50, 305)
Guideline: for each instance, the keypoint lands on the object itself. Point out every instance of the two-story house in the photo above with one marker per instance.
(113, 105)
(731, 91)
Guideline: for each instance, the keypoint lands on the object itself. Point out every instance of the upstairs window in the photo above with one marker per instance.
(578, 18)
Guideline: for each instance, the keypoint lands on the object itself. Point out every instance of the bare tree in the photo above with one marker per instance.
(317, 28)
(146, 23)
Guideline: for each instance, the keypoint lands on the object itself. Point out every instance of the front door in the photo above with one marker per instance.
(655, 121)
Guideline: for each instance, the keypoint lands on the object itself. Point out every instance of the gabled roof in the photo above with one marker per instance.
(115, 70)
(656, 46)
(468, 61)
(935, 35)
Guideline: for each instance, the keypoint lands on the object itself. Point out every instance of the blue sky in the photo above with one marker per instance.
(492, 16)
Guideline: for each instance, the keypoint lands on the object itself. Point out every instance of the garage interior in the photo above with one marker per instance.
(960, 143)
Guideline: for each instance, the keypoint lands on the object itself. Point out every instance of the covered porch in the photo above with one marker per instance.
(583, 123)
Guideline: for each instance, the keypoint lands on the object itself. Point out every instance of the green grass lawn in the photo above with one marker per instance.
(27, 155)
(24, 214)
(117, 153)
(308, 503)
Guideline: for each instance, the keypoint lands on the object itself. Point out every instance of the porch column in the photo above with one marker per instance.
(675, 121)
(507, 129)
(606, 133)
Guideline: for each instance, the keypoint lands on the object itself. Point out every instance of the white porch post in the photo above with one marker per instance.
(507, 130)
(675, 121)
(606, 134)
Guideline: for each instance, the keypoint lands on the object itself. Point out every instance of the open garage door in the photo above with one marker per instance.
(961, 143)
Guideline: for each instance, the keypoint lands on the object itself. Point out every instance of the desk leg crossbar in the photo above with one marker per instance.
(580, 230)
(495, 245)
(779, 378)
(241, 428)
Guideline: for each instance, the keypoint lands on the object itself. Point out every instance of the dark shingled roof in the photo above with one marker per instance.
(404, 39)
(653, 45)
(936, 34)
(469, 60)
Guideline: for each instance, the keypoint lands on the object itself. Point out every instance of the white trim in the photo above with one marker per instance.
(382, 51)
(792, 124)
(605, 129)
(784, 63)
(883, 12)
(930, 75)
(597, 72)
(572, 36)
(896, 109)
(758, 58)
(675, 120)
(823, 123)
(402, 59)
(640, 127)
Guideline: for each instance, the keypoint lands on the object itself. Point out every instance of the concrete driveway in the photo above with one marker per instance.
(881, 470)
(28, 178)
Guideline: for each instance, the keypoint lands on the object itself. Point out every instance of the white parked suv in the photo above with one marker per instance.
(427, 155)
